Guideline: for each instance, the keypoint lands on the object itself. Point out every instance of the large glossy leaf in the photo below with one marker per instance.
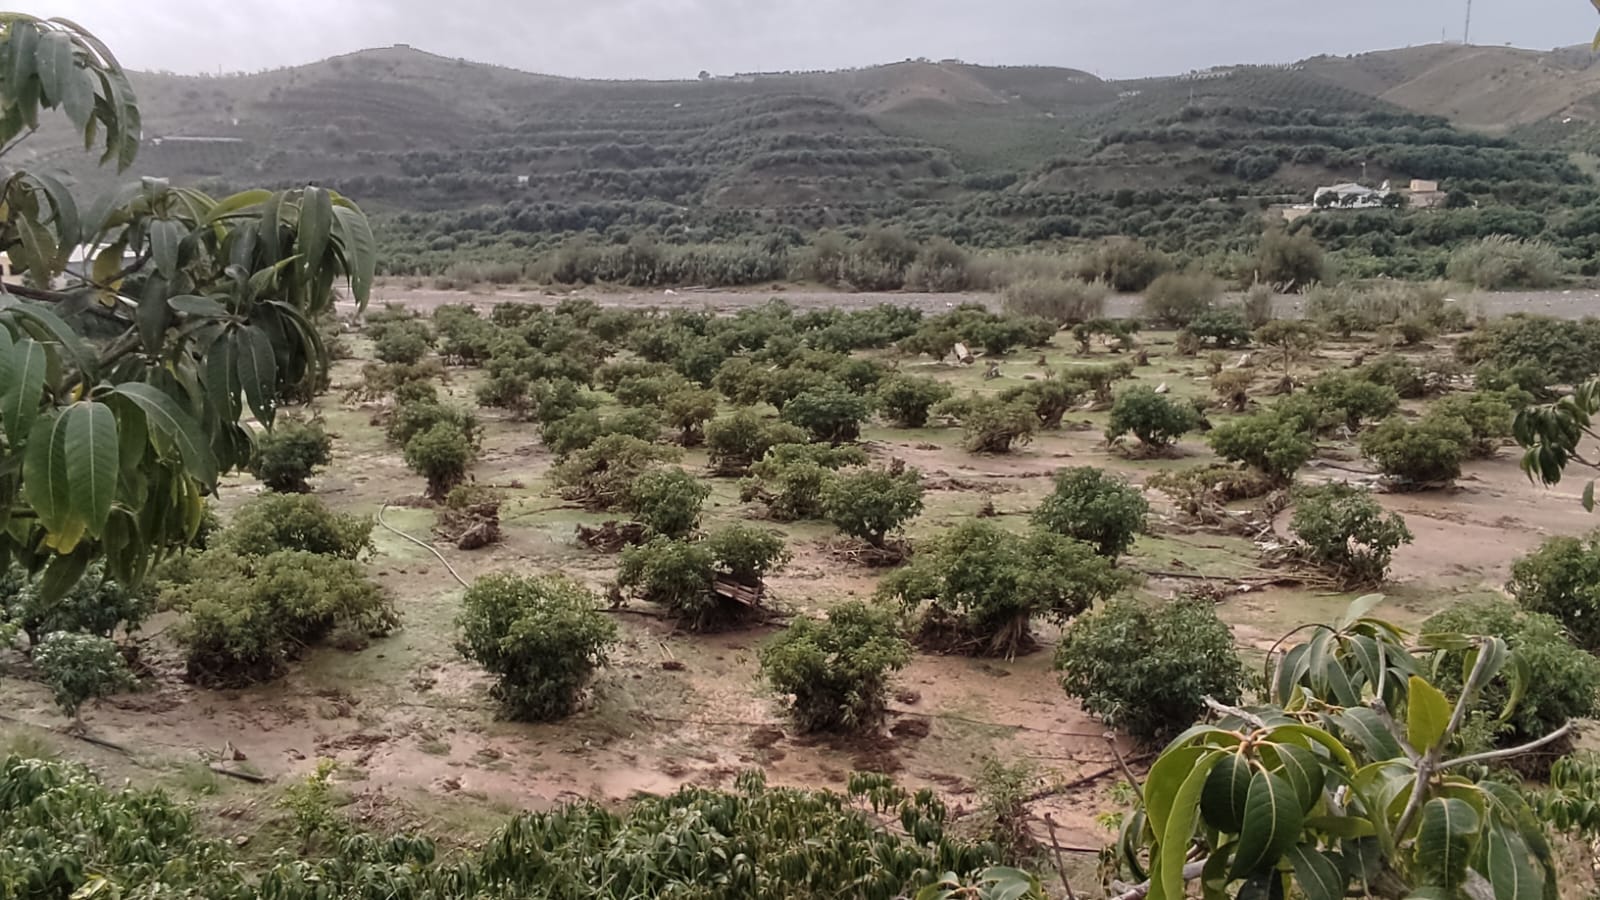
(1507, 867)
(1364, 726)
(1316, 874)
(314, 230)
(1303, 770)
(92, 455)
(1166, 778)
(1358, 608)
(22, 375)
(1222, 799)
(163, 414)
(1167, 882)
(70, 472)
(165, 236)
(360, 251)
(1445, 841)
(1272, 823)
(258, 371)
(1427, 715)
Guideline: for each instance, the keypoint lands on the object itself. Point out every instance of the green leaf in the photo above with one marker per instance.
(1427, 715)
(64, 572)
(1166, 880)
(360, 251)
(163, 414)
(165, 236)
(1272, 824)
(1222, 800)
(1301, 768)
(314, 229)
(1588, 497)
(258, 372)
(1341, 826)
(46, 325)
(1444, 841)
(1264, 886)
(1358, 609)
(191, 305)
(241, 203)
(1364, 726)
(1318, 877)
(1166, 778)
(92, 456)
(45, 484)
(1506, 865)
(22, 376)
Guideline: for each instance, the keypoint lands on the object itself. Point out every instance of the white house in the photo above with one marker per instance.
(1349, 196)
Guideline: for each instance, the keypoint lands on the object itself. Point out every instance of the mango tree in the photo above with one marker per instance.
(146, 322)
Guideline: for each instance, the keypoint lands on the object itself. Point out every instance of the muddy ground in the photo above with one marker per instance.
(417, 739)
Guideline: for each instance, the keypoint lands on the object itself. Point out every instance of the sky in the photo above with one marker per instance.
(678, 38)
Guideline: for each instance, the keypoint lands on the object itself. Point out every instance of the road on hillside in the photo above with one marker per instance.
(1566, 304)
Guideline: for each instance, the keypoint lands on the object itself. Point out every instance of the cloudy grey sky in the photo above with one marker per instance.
(677, 38)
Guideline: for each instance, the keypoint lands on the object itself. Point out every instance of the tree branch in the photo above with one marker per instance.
(1236, 712)
(1430, 762)
(1140, 891)
(1529, 747)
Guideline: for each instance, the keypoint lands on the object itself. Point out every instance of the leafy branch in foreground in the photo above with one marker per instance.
(112, 443)
(1345, 781)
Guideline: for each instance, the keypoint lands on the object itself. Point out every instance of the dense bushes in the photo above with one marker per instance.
(1562, 579)
(680, 574)
(983, 586)
(1559, 351)
(273, 522)
(1420, 454)
(790, 478)
(1344, 531)
(1099, 509)
(1155, 419)
(835, 673)
(667, 501)
(1267, 441)
(1292, 260)
(289, 454)
(1147, 669)
(992, 424)
(1220, 328)
(541, 637)
(600, 474)
(245, 617)
(1559, 681)
(870, 503)
(1126, 265)
(1062, 301)
(1178, 298)
(1500, 261)
(906, 399)
(95, 605)
(80, 667)
(1354, 398)
(828, 412)
(738, 440)
(441, 454)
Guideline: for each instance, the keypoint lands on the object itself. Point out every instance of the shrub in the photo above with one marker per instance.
(1050, 399)
(688, 410)
(1178, 298)
(80, 667)
(1560, 682)
(245, 617)
(741, 381)
(1268, 442)
(1500, 261)
(1127, 265)
(289, 454)
(1099, 509)
(941, 266)
(403, 345)
(1156, 420)
(412, 419)
(1062, 301)
(1560, 351)
(870, 503)
(736, 441)
(584, 427)
(786, 384)
(1562, 579)
(1292, 260)
(791, 477)
(541, 637)
(1355, 398)
(1421, 454)
(1487, 416)
(676, 574)
(1198, 490)
(1393, 371)
(648, 390)
(442, 455)
(273, 522)
(1120, 331)
(508, 391)
(667, 501)
(554, 399)
(835, 673)
(1290, 339)
(745, 553)
(1232, 387)
(1100, 378)
(829, 413)
(998, 337)
(906, 399)
(984, 586)
(95, 605)
(1346, 532)
(1221, 328)
(1147, 669)
(1258, 305)
(600, 474)
(993, 425)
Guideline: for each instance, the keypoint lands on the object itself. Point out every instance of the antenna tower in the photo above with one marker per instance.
(1466, 31)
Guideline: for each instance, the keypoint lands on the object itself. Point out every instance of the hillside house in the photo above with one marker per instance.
(1350, 196)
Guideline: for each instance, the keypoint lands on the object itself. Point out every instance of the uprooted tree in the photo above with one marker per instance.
(113, 443)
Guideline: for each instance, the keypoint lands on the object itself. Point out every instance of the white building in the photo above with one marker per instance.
(1350, 196)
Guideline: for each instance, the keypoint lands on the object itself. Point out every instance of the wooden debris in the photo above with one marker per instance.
(611, 536)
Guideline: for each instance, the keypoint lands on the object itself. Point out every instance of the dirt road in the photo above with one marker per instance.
(1567, 304)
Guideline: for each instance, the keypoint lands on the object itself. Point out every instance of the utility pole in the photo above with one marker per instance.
(1466, 32)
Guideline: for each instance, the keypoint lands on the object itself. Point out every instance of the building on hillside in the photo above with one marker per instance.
(1351, 196)
(1423, 194)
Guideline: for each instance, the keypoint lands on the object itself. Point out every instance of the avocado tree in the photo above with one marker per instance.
(112, 444)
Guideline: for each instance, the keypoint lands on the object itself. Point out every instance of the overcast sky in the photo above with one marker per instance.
(678, 38)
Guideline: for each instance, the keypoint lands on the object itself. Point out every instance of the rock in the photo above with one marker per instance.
(1245, 361)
